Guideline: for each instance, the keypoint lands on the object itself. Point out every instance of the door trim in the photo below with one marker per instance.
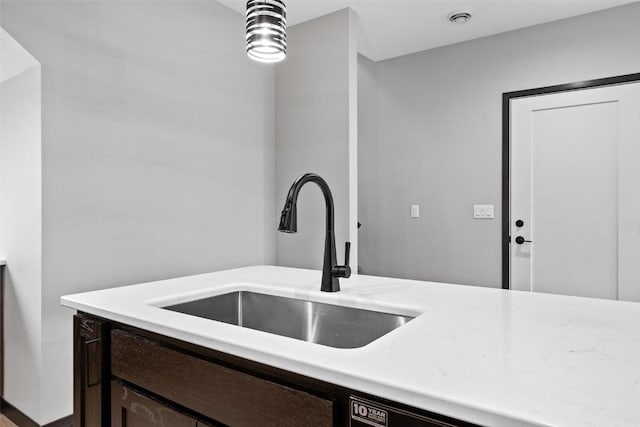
(506, 178)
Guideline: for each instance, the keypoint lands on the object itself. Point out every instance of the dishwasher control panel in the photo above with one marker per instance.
(367, 413)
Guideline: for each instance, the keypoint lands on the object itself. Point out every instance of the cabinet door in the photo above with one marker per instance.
(90, 385)
(132, 409)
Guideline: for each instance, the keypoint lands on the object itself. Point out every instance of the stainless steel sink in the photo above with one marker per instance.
(326, 324)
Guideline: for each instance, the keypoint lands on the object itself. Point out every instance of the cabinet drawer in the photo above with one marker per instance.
(223, 394)
(132, 409)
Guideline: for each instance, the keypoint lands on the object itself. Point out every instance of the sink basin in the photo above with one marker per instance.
(326, 324)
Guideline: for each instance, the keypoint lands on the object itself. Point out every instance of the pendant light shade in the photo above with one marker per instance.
(266, 30)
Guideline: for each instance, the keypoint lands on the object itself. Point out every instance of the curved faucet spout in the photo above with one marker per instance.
(289, 224)
(289, 219)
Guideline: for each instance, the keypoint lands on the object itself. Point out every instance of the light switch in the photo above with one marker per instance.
(483, 211)
(415, 211)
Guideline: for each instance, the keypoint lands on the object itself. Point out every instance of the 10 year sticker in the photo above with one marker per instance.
(369, 414)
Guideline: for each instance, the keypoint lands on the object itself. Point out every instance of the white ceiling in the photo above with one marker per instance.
(390, 28)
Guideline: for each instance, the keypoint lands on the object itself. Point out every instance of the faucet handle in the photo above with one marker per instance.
(343, 270)
(347, 252)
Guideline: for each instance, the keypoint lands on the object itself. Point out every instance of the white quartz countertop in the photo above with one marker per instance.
(488, 356)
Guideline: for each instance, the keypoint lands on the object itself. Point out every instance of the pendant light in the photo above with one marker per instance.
(266, 30)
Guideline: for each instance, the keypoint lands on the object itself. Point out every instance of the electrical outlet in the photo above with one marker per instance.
(483, 211)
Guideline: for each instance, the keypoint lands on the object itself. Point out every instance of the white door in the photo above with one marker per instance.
(575, 193)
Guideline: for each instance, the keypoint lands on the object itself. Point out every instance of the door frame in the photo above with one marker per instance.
(506, 142)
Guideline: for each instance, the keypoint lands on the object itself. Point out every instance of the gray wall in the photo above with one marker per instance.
(21, 232)
(315, 132)
(158, 153)
(430, 134)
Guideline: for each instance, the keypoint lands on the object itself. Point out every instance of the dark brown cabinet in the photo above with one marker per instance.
(2, 330)
(128, 377)
(130, 408)
(90, 400)
(213, 390)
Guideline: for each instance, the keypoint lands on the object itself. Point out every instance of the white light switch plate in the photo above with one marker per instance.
(415, 211)
(483, 211)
